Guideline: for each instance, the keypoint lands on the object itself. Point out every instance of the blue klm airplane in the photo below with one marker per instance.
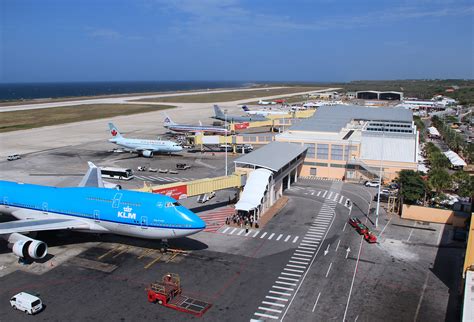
(89, 208)
(143, 146)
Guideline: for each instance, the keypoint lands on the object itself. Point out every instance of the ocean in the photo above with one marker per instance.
(23, 91)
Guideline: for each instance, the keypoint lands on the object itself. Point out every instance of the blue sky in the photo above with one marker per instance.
(301, 40)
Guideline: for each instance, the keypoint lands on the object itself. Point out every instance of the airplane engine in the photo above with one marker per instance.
(147, 154)
(26, 247)
(111, 185)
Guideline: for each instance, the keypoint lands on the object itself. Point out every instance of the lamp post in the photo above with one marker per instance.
(380, 181)
(226, 146)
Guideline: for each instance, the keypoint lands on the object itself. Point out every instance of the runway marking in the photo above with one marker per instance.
(291, 274)
(145, 252)
(278, 238)
(121, 252)
(267, 316)
(227, 228)
(293, 270)
(279, 293)
(329, 269)
(276, 298)
(316, 303)
(273, 303)
(240, 232)
(288, 237)
(268, 309)
(285, 283)
(233, 231)
(271, 236)
(256, 233)
(295, 239)
(263, 235)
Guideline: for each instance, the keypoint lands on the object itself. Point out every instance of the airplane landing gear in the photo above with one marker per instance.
(164, 245)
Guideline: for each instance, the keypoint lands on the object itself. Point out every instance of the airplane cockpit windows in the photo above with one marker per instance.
(176, 204)
(172, 204)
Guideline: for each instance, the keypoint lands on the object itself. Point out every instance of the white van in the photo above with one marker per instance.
(26, 302)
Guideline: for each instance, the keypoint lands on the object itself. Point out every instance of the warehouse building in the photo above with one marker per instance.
(353, 142)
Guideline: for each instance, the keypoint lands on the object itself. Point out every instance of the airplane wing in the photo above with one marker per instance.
(93, 177)
(29, 225)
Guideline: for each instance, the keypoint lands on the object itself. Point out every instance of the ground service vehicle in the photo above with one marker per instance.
(13, 157)
(116, 173)
(359, 227)
(26, 302)
(373, 183)
(168, 292)
(370, 237)
(182, 166)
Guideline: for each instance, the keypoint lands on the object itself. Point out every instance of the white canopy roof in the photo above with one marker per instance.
(455, 159)
(433, 131)
(254, 190)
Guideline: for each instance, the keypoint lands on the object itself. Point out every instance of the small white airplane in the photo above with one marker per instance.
(263, 112)
(144, 147)
(260, 102)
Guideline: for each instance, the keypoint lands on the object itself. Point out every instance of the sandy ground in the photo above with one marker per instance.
(137, 125)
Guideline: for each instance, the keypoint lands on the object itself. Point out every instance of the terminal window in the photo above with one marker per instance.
(313, 171)
(336, 152)
(323, 151)
(311, 152)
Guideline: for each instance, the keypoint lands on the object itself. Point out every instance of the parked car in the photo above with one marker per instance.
(26, 302)
(182, 166)
(152, 169)
(372, 184)
(13, 157)
(141, 168)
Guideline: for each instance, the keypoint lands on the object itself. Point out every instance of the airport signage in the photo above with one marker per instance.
(241, 126)
(178, 192)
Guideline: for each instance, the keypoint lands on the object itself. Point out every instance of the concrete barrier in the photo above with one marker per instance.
(435, 215)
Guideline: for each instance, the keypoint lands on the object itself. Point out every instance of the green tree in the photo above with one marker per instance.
(412, 186)
(464, 183)
(438, 160)
(439, 179)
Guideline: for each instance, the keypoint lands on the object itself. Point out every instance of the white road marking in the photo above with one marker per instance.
(296, 262)
(344, 228)
(256, 233)
(330, 194)
(411, 232)
(263, 235)
(227, 228)
(304, 251)
(287, 237)
(388, 222)
(283, 288)
(316, 303)
(240, 232)
(324, 195)
(301, 259)
(288, 279)
(296, 266)
(304, 255)
(233, 231)
(304, 244)
(266, 316)
(268, 309)
(271, 236)
(276, 298)
(329, 269)
(335, 197)
(342, 197)
(292, 274)
(273, 303)
(248, 233)
(285, 283)
(319, 192)
(308, 248)
(279, 293)
(278, 238)
(293, 270)
(295, 239)
(353, 278)
(311, 238)
(337, 246)
(312, 193)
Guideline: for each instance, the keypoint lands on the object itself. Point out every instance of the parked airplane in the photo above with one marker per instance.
(236, 119)
(89, 208)
(170, 125)
(266, 103)
(263, 112)
(145, 147)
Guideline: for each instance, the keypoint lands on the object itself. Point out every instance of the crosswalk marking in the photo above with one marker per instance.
(279, 293)
(226, 230)
(288, 279)
(296, 262)
(266, 316)
(268, 309)
(288, 237)
(295, 239)
(278, 238)
(240, 232)
(276, 298)
(291, 274)
(263, 235)
(256, 234)
(271, 236)
(285, 283)
(273, 303)
(295, 266)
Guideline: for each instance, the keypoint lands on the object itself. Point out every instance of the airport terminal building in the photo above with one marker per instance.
(353, 142)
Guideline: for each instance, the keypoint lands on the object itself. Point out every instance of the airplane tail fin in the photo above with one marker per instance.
(218, 112)
(245, 108)
(168, 121)
(114, 131)
(93, 177)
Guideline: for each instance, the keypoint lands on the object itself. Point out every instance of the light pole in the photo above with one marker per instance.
(226, 145)
(380, 181)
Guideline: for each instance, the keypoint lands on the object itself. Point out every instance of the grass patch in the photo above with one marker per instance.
(231, 96)
(28, 119)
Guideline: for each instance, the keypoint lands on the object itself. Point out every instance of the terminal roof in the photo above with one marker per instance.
(273, 156)
(334, 118)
